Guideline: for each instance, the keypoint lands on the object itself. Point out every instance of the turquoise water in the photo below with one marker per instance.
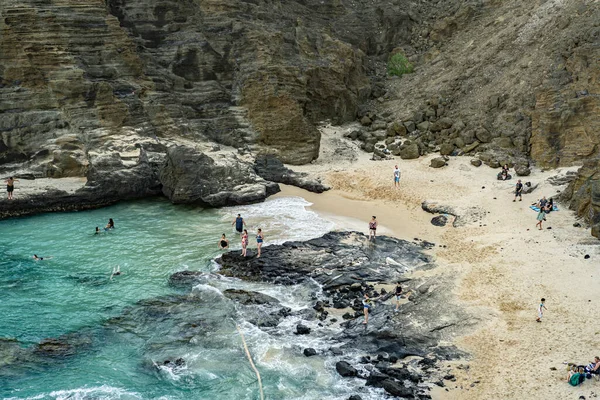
(126, 324)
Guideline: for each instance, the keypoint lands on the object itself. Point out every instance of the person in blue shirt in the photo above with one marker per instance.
(239, 223)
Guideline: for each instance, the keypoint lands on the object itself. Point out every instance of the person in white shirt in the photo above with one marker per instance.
(396, 176)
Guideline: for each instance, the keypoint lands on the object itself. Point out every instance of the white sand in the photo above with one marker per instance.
(502, 267)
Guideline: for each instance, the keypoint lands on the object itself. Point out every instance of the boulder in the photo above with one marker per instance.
(409, 152)
(476, 162)
(345, 369)
(446, 149)
(246, 297)
(410, 126)
(396, 129)
(189, 176)
(438, 162)
(376, 379)
(483, 135)
(302, 329)
(379, 126)
(440, 220)
(522, 170)
(270, 168)
(396, 388)
(423, 126)
(309, 352)
(355, 397)
(365, 121)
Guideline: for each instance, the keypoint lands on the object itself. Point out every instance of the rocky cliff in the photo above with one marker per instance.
(84, 86)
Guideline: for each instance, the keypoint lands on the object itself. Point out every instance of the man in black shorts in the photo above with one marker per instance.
(519, 191)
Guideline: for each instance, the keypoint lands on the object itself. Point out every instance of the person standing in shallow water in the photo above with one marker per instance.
(223, 242)
(373, 227)
(244, 242)
(239, 223)
(259, 241)
(10, 187)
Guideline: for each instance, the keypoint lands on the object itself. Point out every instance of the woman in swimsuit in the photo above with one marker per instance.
(244, 242)
(223, 242)
(373, 227)
(110, 225)
(366, 307)
(10, 187)
(259, 241)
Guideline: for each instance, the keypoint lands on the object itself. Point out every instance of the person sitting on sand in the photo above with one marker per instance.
(594, 366)
(110, 225)
(518, 191)
(542, 203)
(576, 376)
(223, 242)
(373, 227)
(549, 206)
(505, 169)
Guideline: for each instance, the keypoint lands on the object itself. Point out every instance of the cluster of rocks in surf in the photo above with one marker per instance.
(347, 265)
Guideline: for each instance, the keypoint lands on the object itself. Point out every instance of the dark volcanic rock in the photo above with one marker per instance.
(309, 352)
(334, 260)
(184, 278)
(396, 388)
(440, 220)
(190, 176)
(245, 297)
(302, 329)
(271, 169)
(345, 369)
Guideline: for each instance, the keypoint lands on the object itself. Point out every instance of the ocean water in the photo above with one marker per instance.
(125, 327)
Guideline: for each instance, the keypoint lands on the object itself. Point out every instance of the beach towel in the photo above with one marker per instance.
(537, 209)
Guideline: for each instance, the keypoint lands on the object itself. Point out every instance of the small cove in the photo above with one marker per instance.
(123, 321)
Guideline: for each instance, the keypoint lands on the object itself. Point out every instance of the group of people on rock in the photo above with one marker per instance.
(368, 302)
(240, 224)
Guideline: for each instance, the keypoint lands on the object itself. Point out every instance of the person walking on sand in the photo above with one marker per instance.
(223, 242)
(239, 223)
(541, 309)
(367, 304)
(541, 217)
(518, 191)
(10, 187)
(398, 293)
(259, 241)
(244, 242)
(396, 177)
(373, 227)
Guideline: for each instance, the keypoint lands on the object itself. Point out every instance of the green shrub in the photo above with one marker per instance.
(399, 65)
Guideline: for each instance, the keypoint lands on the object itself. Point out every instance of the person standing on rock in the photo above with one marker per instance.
(367, 304)
(396, 176)
(244, 242)
(398, 293)
(10, 187)
(518, 191)
(373, 227)
(259, 241)
(239, 223)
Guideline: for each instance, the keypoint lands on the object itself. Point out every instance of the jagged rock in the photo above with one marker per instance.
(409, 152)
(302, 329)
(365, 121)
(596, 231)
(423, 126)
(396, 129)
(483, 135)
(476, 163)
(190, 176)
(246, 298)
(185, 279)
(272, 169)
(438, 162)
(345, 369)
(410, 126)
(376, 379)
(583, 194)
(355, 397)
(396, 388)
(522, 170)
(464, 215)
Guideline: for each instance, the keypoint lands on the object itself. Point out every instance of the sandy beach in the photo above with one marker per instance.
(502, 264)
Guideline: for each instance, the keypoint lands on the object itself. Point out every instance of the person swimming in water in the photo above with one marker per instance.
(223, 242)
(36, 258)
(244, 242)
(259, 241)
(98, 231)
(110, 225)
(115, 272)
(239, 223)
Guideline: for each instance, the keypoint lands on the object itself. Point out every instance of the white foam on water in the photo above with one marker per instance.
(281, 219)
(104, 392)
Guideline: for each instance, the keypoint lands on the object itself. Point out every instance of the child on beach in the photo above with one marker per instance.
(541, 309)
(373, 227)
(540, 218)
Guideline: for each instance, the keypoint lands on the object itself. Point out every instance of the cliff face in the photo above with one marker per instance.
(254, 75)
